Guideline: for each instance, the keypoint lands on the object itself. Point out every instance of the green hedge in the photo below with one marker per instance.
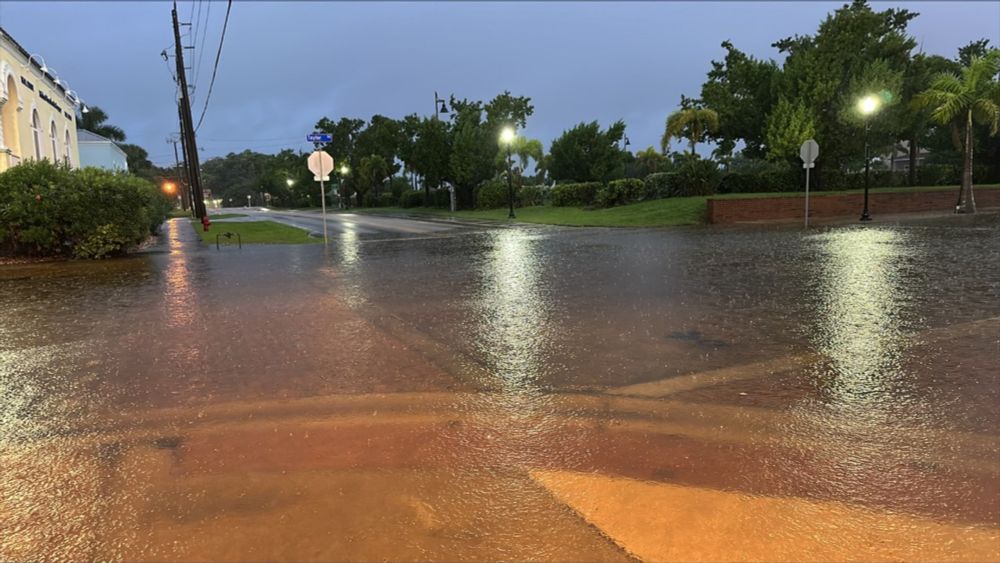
(575, 195)
(531, 195)
(621, 192)
(411, 198)
(491, 194)
(382, 200)
(48, 209)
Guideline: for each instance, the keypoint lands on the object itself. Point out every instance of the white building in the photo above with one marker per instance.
(100, 152)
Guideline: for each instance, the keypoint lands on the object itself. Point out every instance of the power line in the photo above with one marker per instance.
(215, 67)
(201, 48)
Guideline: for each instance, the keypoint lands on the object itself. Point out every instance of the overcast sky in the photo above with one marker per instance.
(286, 64)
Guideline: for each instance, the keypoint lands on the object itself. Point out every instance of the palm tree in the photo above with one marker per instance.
(962, 101)
(689, 123)
(94, 121)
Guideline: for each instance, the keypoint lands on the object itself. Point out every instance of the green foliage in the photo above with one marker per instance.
(492, 195)
(764, 178)
(411, 198)
(741, 91)
(587, 154)
(95, 121)
(693, 122)
(398, 185)
(621, 192)
(47, 209)
(696, 177)
(575, 195)
(788, 127)
(658, 184)
(529, 196)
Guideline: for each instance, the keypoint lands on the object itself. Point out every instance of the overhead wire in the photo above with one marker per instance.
(215, 67)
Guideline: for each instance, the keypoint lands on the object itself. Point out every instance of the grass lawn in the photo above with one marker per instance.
(225, 216)
(657, 213)
(857, 191)
(256, 232)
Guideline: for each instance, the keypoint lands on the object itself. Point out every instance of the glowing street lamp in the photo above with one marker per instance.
(507, 136)
(290, 182)
(867, 106)
(169, 188)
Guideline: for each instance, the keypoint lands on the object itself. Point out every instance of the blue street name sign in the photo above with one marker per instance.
(319, 138)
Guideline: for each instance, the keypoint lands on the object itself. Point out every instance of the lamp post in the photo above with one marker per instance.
(439, 106)
(867, 106)
(507, 137)
(345, 198)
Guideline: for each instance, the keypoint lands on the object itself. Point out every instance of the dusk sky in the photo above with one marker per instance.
(285, 65)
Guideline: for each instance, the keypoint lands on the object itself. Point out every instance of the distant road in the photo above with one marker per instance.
(339, 223)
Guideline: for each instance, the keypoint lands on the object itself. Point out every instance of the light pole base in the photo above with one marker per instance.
(865, 216)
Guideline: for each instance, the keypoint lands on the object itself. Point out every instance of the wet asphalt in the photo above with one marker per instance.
(449, 383)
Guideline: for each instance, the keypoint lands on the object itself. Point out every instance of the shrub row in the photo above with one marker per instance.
(575, 195)
(48, 209)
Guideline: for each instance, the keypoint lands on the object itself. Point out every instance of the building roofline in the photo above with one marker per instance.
(27, 55)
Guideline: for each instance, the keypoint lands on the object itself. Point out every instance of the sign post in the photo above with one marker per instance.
(808, 153)
(320, 164)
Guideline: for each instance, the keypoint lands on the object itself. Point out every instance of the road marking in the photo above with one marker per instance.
(665, 522)
(671, 385)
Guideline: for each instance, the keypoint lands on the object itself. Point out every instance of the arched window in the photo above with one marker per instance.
(55, 144)
(36, 133)
(66, 156)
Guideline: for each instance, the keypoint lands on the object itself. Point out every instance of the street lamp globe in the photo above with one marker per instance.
(868, 105)
(507, 135)
(344, 169)
(290, 182)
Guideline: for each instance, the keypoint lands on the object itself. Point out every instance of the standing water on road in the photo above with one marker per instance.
(509, 393)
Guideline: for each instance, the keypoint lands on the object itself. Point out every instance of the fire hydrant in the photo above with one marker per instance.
(205, 223)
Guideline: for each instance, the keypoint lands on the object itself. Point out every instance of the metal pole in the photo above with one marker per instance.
(322, 199)
(865, 215)
(510, 185)
(807, 196)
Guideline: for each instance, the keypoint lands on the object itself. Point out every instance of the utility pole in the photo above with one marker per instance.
(187, 127)
(185, 195)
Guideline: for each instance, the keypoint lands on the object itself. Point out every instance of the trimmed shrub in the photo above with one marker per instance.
(382, 200)
(48, 209)
(398, 185)
(491, 194)
(575, 195)
(696, 177)
(411, 198)
(658, 185)
(621, 192)
(441, 198)
(531, 195)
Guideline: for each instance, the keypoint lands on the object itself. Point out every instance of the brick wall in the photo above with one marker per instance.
(792, 207)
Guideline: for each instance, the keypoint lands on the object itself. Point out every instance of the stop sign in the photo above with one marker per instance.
(320, 164)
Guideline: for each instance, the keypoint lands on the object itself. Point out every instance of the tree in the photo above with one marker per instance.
(967, 99)
(854, 51)
(95, 121)
(788, 126)
(383, 136)
(586, 154)
(431, 154)
(372, 172)
(138, 162)
(473, 147)
(693, 122)
(650, 161)
(740, 89)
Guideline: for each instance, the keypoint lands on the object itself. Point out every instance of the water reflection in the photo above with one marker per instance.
(512, 315)
(862, 313)
(178, 295)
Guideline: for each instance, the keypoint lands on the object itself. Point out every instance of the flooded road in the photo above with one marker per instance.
(517, 393)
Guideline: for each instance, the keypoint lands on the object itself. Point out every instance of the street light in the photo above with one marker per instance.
(169, 188)
(439, 106)
(290, 182)
(867, 105)
(507, 136)
(345, 200)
